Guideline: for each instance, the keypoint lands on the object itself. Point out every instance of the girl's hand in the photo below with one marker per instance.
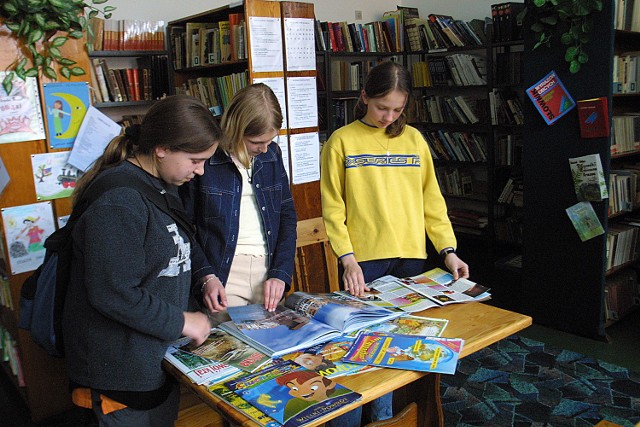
(213, 294)
(456, 266)
(353, 278)
(273, 291)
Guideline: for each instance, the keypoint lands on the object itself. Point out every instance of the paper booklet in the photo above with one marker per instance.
(433, 288)
(199, 369)
(305, 320)
(409, 325)
(291, 394)
(409, 352)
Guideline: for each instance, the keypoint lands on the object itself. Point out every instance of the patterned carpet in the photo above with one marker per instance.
(521, 382)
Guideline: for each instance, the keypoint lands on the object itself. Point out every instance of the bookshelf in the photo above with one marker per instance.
(563, 278)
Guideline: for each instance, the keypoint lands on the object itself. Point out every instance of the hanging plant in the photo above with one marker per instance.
(35, 22)
(569, 20)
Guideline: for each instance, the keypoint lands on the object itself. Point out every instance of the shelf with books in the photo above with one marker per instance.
(124, 78)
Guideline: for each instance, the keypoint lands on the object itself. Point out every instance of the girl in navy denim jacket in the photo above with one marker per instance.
(244, 210)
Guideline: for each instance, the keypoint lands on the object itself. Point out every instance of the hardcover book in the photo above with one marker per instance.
(291, 394)
(428, 354)
(585, 220)
(305, 320)
(588, 178)
(594, 117)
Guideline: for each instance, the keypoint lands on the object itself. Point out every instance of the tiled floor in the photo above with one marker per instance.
(621, 350)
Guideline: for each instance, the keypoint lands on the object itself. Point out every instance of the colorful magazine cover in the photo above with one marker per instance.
(306, 320)
(199, 369)
(291, 394)
(409, 325)
(225, 348)
(409, 352)
(326, 358)
(66, 105)
(551, 98)
(585, 220)
(226, 394)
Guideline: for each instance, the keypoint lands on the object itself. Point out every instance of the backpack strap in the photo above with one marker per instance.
(170, 205)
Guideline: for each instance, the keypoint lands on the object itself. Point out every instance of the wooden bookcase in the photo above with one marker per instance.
(46, 387)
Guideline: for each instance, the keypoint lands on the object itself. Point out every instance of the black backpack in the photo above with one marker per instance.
(43, 293)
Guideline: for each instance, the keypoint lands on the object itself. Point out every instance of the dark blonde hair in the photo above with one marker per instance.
(253, 111)
(178, 123)
(383, 79)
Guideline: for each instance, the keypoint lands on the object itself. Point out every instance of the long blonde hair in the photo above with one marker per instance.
(178, 123)
(253, 111)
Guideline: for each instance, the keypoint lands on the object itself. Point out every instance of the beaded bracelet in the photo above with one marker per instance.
(205, 283)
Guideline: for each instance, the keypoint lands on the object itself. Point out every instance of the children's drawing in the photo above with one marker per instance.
(53, 177)
(26, 228)
(20, 113)
(66, 105)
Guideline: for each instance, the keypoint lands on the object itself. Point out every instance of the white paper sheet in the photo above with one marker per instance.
(305, 156)
(96, 131)
(266, 44)
(300, 44)
(277, 86)
(303, 102)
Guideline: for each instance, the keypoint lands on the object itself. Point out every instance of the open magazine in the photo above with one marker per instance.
(305, 320)
(433, 288)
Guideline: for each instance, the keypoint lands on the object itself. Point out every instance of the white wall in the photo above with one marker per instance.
(326, 10)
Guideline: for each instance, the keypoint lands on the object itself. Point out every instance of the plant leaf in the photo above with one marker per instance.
(77, 34)
(98, 1)
(566, 39)
(539, 3)
(10, 8)
(31, 72)
(59, 41)
(549, 20)
(574, 67)
(583, 58)
(66, 73)
(66, 61)
(109, 8)
(571, 53)
(50, 72)
(93, 14)
(13, 27)
(77, 71)
(22, 63)
(55, 52)
(7, 83)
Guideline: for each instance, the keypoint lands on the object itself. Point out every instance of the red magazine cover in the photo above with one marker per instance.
(594, 117)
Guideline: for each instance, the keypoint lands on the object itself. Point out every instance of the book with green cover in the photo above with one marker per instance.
(585, 220)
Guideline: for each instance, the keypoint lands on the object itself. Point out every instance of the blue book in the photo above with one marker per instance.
(291, 394)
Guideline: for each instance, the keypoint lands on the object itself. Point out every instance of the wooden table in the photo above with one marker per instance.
(480, 325)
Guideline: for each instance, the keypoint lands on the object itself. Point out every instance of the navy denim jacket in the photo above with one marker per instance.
(213, 202)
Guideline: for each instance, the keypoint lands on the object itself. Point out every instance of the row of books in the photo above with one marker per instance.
(147, 82)
(512, 192)
(126, 34)
(204, 43)
(509, 229)
(626, 133)
(450, 109)
(455, 181)
(505, 108)
(621, 294)
(623, 189)
(627, 15)
(508, 68)
(469, 219)
(348, 75)
(9, 352)
(215, 92)
(459, 69)
(439, 32)
(506, 25)
(456, 146)
(626, 73)
(343, 111)
(376, 36)
(6, 300)
(509, 150)
(621, 243)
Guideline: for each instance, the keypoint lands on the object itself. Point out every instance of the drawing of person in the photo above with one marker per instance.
(33, 232)
(57, 113)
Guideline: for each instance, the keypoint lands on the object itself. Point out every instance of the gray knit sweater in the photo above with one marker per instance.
(130, 283)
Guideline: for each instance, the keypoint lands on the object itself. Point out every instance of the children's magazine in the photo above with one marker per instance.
(291, 394)
(306, 320)
(429, 354)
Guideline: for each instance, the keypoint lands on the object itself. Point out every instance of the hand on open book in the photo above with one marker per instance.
(273, 290)
(353, 278)
(456, 266)
(196, 326)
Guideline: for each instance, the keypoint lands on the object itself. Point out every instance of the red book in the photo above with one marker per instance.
(594, 117)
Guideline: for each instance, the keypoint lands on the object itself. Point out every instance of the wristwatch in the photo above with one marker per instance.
(447, 251)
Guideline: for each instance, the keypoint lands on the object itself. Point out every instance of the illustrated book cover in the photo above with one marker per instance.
(585, 220)
(409, 325)
(291, 394)
(588, 178)
(225, 348)
(304, 320)
(326, 358)
(550, 98)
(594, 117)
(409, 352)
(226, 394)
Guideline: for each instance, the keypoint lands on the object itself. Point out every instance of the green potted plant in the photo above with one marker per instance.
(40, 25)
(572, 19)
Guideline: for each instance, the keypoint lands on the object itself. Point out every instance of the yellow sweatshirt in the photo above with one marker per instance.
(380, 195)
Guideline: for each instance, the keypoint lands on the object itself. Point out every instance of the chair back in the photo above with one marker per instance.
(313, 243)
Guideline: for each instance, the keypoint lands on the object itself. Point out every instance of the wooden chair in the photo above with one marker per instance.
(311, 232)
(408, 417)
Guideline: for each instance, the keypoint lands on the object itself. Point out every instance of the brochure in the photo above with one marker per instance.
(551, 98)
(410, 352)
(305, 320)
(291, 394)
(409, 325)
(199, 369)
